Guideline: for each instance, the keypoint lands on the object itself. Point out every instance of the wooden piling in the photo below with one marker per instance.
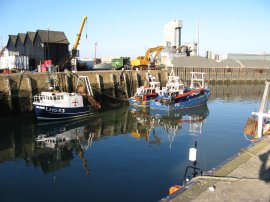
(114, 85)
(100, 82)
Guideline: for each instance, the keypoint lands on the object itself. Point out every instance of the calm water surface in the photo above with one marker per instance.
(121, 155)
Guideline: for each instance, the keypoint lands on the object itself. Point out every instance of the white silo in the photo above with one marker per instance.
(172, 33)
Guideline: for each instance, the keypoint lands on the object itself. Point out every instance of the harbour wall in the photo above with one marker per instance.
(17, 90)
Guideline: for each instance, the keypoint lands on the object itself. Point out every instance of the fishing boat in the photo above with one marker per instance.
(146, 93)
(176, 95)
(55, 104)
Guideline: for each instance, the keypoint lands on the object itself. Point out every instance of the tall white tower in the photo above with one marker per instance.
(172, 33)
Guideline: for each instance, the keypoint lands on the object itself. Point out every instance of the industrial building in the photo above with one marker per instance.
(172, 34)
(37, 47)
(172, 39)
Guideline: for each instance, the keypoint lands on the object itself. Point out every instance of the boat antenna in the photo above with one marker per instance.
(198, 47)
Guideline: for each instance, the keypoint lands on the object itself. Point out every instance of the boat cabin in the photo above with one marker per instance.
(59, 99)
(50, 142)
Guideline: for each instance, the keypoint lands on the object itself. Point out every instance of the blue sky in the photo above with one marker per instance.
(126, 28)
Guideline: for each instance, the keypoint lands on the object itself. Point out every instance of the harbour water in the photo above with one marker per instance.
(124, 154)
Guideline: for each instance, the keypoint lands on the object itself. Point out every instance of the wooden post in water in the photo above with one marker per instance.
(29, 83)
(126, 84)
(136, 81)
(9, 100)
(100, 82)
(114, 83)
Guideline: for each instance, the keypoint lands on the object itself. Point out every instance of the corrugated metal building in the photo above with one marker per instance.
(29, 48)
(11, 44)
(39, 46)
(19, 44)
(51, 45)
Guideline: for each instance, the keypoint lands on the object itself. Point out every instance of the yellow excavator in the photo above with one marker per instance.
(73, 52)
(142, 62)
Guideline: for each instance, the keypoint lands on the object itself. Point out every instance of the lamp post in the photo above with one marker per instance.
(95, 62)
(48, 57)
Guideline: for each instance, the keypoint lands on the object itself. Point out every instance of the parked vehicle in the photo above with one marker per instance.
(120, 63)
(142, 62)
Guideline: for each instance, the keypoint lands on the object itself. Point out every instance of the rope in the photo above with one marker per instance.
(102, 93)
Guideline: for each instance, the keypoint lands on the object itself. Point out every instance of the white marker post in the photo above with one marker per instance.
(261, 113)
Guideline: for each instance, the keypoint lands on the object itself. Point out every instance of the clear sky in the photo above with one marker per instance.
(127, 28)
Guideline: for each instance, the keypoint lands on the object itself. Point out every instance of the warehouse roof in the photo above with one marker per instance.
(196, 61)
(256, 63)
(31, 36)
(12, 39)
(229, 63)
(21, 36)
(193, 61)
(52, 37)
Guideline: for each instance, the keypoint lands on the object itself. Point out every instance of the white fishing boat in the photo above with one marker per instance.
(55, 104)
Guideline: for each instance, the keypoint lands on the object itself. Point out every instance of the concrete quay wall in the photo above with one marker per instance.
(17, 90)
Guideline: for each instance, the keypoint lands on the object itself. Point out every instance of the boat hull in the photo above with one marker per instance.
(186, 102)
(60, 113)
(134, 102)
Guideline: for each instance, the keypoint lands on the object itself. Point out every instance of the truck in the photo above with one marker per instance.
(120, 63)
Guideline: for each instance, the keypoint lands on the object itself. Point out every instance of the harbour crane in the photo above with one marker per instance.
(73, 53)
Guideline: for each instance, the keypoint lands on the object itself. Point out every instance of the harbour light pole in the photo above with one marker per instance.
(95, 62)
(48, 42)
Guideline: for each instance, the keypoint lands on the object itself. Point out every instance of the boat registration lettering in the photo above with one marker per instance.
(177, 104)
(55, 110)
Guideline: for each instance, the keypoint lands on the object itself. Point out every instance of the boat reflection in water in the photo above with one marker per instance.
(56, 142)
(169, 121)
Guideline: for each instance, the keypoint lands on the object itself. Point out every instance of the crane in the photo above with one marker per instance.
(73, 53)
(75, 46)
(143, 61)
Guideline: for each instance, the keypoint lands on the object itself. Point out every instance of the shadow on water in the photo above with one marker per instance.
(264, 172)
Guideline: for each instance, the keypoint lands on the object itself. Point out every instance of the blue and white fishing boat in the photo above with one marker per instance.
(146, 93)
(177, 96)
(57, 105)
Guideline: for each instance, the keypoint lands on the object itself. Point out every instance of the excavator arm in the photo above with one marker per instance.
(157, 49)
(145, 60)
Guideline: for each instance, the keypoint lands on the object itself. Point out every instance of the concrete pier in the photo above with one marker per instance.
(245, 178)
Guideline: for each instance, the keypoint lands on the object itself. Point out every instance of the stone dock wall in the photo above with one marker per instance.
(17, 90)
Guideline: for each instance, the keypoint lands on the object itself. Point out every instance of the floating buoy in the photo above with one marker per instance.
(174, 188)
